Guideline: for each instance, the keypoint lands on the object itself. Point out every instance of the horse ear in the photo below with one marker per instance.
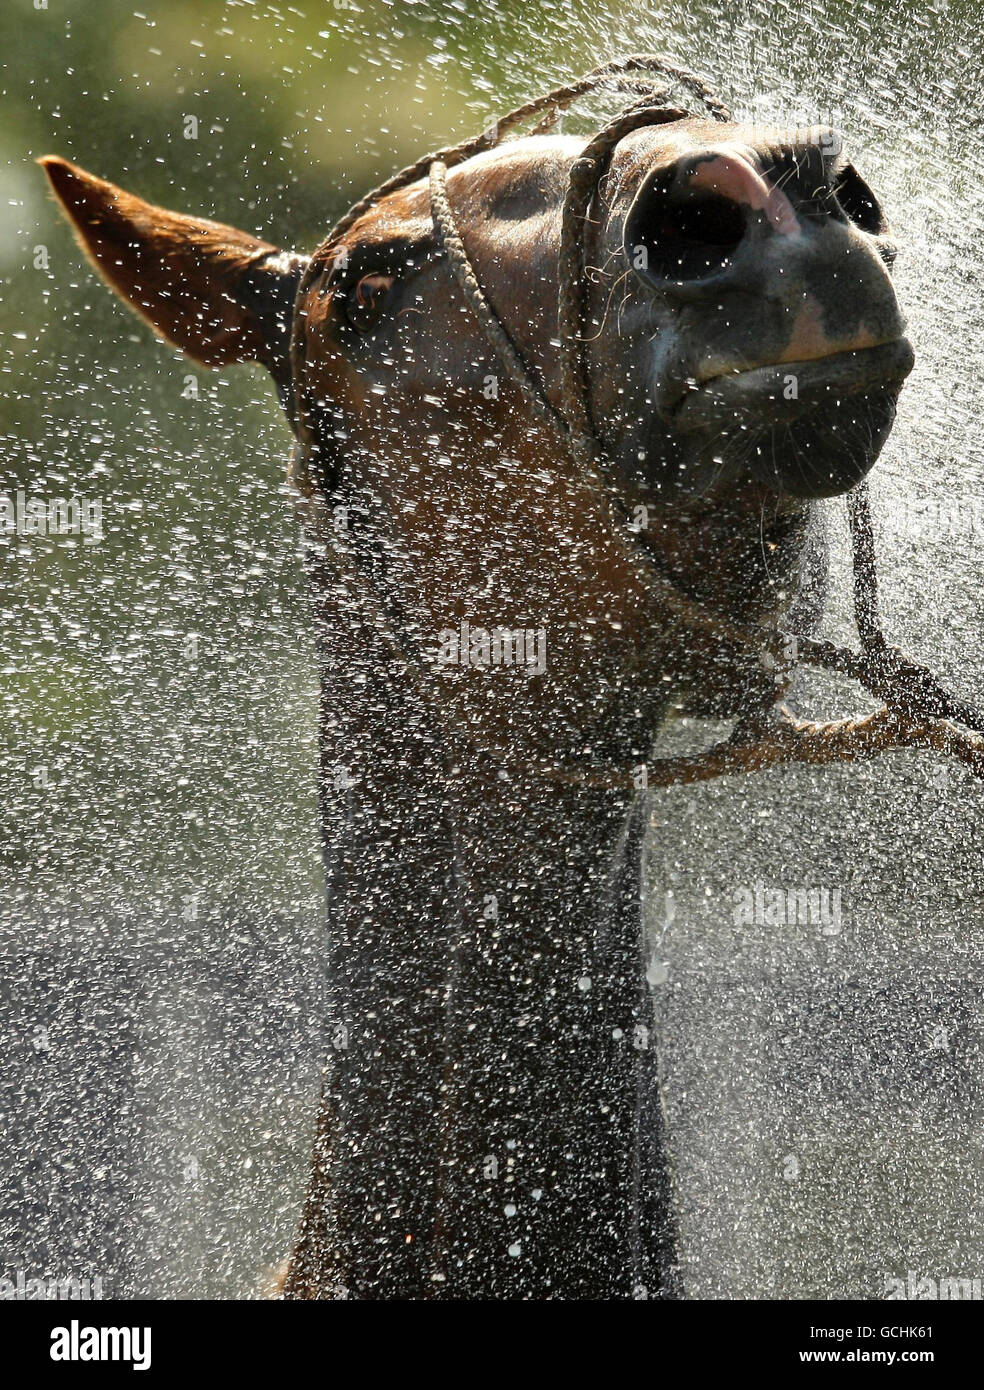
(217, 293)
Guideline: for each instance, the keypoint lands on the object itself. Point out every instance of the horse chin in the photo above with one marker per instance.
(822, 451)
(802, 430)
(824, 454)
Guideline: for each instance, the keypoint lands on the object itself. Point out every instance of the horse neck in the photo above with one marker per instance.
(486, 981)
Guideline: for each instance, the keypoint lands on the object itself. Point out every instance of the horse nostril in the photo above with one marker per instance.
(676, 232)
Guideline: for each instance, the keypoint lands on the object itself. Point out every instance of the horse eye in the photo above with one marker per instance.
(366, 300)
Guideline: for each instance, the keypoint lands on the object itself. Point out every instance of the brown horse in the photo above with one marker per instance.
(496, 633)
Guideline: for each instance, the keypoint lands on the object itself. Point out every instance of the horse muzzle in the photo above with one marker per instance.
(779, 343)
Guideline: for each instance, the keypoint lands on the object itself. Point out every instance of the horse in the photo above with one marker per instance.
(563, 412)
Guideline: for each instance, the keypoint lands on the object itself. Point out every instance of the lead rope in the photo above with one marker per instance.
(918, 711)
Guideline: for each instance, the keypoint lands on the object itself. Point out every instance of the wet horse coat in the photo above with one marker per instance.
(491, 1123)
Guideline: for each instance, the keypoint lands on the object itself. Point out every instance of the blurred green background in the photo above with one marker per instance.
(161, 905)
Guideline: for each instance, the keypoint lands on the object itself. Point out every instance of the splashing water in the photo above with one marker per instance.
(815, 954)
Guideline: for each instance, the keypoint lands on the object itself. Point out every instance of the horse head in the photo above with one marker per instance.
(740, 349)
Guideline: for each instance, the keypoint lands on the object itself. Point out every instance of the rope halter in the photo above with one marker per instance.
(918, 711)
